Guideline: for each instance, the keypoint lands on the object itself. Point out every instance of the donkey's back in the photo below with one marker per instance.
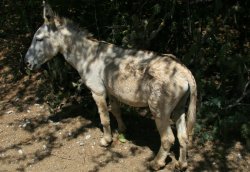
(131, 76)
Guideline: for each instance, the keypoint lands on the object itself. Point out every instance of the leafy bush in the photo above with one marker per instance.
(210, 37)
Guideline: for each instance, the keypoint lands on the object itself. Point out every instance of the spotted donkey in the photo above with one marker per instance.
(137, 78)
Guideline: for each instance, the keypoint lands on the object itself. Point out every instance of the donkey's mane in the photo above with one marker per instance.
(72, 26)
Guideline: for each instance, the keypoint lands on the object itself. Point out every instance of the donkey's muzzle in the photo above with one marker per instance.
(29, 64)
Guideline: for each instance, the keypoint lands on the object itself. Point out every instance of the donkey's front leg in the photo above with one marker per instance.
(104, 116)
(115, 109)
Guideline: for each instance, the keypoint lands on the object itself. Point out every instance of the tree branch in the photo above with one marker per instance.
(154, 33)
(244, 94)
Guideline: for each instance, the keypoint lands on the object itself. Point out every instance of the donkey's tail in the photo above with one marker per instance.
(191, 113)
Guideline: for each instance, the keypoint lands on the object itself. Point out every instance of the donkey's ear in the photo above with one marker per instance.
(48, 13)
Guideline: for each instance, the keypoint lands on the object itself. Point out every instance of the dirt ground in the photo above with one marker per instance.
(34, 139)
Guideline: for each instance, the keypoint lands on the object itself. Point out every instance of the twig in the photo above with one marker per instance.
(21, 63)
(70, 159)
(154, 33)
(237, 102)
(199, 1)
(142, 6)
(189, 17)
(170, 39)
(61, 157)
(96, 22)
(115, 26)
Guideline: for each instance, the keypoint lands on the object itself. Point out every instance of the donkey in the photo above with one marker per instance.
(134, 77)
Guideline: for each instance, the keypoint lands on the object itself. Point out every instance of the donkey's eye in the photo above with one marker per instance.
(39, 39)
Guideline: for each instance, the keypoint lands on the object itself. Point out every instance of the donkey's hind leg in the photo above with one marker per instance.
(161, 109)
(183, 140)
(104, 116)
(115, 110)
(167, 140)
(179, 118)
(162, 106)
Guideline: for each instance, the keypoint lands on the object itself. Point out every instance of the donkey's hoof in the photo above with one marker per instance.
(105, 142)
(156, 165)
(181, 165)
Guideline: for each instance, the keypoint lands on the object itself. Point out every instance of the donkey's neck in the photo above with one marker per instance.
(79, 51)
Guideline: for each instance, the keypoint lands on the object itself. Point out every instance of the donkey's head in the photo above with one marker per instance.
(46, 41)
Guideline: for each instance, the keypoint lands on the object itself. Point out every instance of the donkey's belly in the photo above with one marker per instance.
(130, 92)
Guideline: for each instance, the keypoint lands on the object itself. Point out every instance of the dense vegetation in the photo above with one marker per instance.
(211, 37)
